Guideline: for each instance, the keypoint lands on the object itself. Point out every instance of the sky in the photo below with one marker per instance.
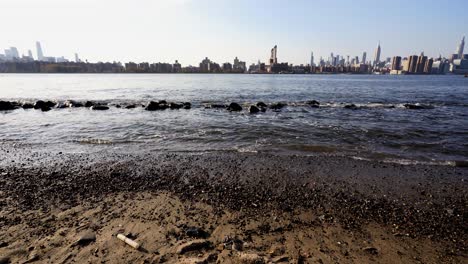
(190, 30)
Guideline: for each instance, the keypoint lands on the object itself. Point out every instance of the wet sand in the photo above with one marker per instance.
(231, 207)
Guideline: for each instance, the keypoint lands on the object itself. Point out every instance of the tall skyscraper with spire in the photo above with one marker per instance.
(460, 48)
(377, 55)
(273, 57)
(364, 57)
(40, 55)
(312, 59)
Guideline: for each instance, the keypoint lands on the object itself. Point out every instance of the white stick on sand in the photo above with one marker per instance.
(128, 241)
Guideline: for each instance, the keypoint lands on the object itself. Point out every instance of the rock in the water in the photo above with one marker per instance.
(71, 103)
(193, 246)
(99, 107)
(88, 104)
(261, 104)
(50, 104)
(187, 105)
(351, 106)
(153, 106)
(45, 108)
(234, 107)
(42, 105)
(5, 105)
(216, 106)
(277, 106)
(28, 106)
(130, 106)
(417, 106)
(313, 103)
(61, 106)
(175, 106)
(253, 109)
(39, 104)
(86, 238)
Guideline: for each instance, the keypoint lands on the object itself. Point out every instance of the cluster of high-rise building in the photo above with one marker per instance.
(414, 64)
(12, 55)
(457, 63)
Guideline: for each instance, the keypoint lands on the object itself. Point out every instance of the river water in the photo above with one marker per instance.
(381, 128)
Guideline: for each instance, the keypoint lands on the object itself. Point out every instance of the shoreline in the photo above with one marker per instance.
(407, 203)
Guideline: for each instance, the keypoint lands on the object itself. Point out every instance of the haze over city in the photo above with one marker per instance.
(188, 30)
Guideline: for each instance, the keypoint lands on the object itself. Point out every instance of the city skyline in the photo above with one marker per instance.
(188, 30)
(13, 52)
(457, 63)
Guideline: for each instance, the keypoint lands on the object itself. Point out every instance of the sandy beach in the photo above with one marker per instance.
(227, 208)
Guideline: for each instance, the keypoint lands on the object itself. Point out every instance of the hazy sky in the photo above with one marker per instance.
(189, 30)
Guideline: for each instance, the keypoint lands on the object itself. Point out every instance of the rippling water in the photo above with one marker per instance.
(382, 128)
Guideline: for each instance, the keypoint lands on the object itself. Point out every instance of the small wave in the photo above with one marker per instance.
(408, 162)
(246, 150)
(95, 141)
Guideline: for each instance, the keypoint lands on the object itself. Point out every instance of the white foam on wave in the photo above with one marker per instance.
(411, 162)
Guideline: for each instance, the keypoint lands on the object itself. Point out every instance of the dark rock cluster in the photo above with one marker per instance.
(163, 105)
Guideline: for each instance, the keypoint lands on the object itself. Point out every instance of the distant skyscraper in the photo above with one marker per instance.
(364, 57)
(421, 63)
(428, 66)
(30, 54)
(377, 55)
(40, 55)
(336, 60)
(312, 59)
(412, 64)
(14, 52)
(396, 63)
(11, 53)
(273, 57)
(77, 59)
(460, 48)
